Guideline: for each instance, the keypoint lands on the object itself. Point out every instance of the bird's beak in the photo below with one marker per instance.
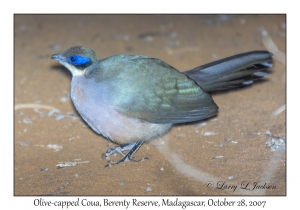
(55, 56)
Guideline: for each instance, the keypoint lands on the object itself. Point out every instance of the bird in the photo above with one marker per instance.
(133, 99)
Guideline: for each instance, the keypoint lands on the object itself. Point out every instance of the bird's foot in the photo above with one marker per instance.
(125, 159)
(133, 147)
(118, 150)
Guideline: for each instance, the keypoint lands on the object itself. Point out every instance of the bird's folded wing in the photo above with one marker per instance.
(158, 93)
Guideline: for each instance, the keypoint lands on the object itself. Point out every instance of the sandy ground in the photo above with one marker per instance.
(187, 161)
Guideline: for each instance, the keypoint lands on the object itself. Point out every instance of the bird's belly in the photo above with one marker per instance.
(106, 120)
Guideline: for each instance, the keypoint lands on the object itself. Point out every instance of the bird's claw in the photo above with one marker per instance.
(125, 159)
(133, 147)
(112, 151)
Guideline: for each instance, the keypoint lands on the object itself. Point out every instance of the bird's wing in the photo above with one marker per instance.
(154, 91)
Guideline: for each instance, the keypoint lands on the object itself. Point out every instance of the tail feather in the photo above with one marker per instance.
(238, 70)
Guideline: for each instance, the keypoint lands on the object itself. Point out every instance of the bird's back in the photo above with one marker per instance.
(149, 89)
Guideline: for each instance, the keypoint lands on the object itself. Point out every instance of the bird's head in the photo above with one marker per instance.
(76, 59)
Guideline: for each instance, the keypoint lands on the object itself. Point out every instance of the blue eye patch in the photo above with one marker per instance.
(78, 60)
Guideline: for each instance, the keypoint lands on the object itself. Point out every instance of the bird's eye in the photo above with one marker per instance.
(73, 59)
(78, 60)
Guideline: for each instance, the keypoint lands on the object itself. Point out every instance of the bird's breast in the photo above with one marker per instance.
(94, 103)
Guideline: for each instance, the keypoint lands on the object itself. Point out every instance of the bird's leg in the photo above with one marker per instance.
(133, 146)
(118, 150)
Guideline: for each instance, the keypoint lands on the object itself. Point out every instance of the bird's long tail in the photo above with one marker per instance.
(234, 71)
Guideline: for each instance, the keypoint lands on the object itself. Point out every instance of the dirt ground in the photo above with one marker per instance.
(195, 159)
